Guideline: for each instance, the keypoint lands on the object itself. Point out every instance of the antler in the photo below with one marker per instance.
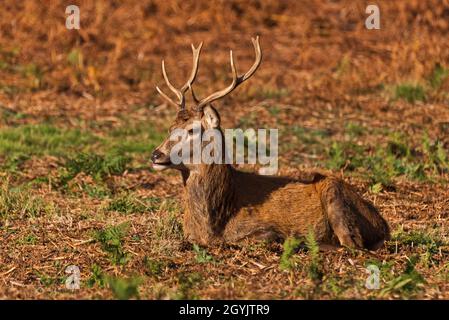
(181, 92)
(236, 79)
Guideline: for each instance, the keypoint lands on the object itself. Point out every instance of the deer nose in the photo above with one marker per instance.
(156, 155)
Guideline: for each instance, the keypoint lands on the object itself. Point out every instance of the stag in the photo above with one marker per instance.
(224, 205)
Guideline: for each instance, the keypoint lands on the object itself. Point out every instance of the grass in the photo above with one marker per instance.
(438, 76)
(20, 143)
(34, 74)
(274, 111)
(95, 190)
(436, 154)
(337, 155)
(307, 140)
(97, 277)
(187, 283)
(124, 288)
(315, 269)
(128, 203)
(413, 93)
(407, 283)
(416, 238)
(45, 279)
(155, 267)
(270, 93)
(101, 156)
(169, 227)
(95, 165)
(427, 245)
(383, 163)
(30, 239)
(354, 129)
(18, 202)
(201, 255)
(290, 246)
(85, 151)
(131, 138)
(111, 241)
(410, 92)
(75, 58)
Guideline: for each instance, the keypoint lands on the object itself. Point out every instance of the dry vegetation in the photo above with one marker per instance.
(80, 116)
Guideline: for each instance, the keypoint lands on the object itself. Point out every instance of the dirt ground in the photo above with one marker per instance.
(79, 117)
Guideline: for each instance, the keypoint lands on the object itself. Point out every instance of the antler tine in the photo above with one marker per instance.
(193, 94)
(170, 86)
(258, 59)
(236, 79)
(167, 97)
(196, 58)
(180, 93)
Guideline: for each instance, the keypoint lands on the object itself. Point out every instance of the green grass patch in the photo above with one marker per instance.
(111, 241)
(382, 163)
(274, 111)
(345, 154)
(315, 269)
(45, 279)
(128, 203)
(99, 167)
(96, 190)
(30, 239)
(135, 139)
(85, 151)
(95, 165)
(426, 243)
(416, 238)
(201, 255)
(438, 76)
(97, 277)
(187, 283)
(354, 129)
(407, 283)
(17, 144)
(33, 73)
(124, 288)
(410, 93)
(155, 267)
(290, 247)
(19, 202)
(309, 140)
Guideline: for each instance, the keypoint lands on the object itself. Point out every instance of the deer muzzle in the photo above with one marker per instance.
(160, 160)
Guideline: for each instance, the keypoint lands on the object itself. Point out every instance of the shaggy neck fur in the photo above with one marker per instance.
(210, 195)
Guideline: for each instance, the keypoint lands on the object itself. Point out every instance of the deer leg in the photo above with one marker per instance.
(341, 218)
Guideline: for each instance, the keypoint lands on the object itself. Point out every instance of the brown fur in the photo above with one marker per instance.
(223, 204)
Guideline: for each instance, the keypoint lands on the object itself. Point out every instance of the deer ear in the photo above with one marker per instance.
(211, 117)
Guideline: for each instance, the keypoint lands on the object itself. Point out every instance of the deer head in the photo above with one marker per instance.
(200, 114)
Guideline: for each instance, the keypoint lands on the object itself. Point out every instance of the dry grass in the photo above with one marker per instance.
(80, 116)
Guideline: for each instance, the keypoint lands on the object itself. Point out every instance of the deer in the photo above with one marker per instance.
(226, 206)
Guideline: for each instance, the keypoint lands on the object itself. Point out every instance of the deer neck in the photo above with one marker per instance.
(210, 194)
